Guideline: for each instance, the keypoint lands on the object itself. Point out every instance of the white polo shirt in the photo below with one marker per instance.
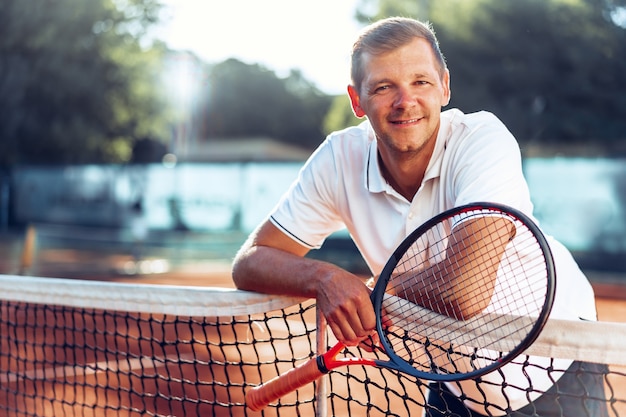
(475, 159)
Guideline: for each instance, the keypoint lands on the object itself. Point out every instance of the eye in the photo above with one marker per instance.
(380, 88)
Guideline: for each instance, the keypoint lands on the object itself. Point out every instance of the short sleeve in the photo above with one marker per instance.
(307, 211)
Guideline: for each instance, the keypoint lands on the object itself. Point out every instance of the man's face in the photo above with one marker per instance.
(402, 95)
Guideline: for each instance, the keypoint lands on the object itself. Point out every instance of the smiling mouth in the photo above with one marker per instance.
(405, 122)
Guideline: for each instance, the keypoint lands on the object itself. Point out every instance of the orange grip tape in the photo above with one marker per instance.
(259, 397)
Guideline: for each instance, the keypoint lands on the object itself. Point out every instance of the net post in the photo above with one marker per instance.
(321, 390)
(28, 250)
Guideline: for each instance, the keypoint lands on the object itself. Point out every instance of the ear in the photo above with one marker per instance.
(446, 89)
(355, 101)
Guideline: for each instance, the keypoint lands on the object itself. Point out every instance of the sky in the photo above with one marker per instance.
(312, 36)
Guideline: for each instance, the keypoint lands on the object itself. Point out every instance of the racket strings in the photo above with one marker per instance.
(423, 324)
(426, 355)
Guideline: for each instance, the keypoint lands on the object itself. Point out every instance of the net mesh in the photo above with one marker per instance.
(83, 348)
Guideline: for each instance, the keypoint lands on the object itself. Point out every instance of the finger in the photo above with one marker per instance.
(385, 320)
(349, 327)
(344, 333)
(363, 321)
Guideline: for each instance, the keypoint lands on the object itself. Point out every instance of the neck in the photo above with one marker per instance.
(405, 172)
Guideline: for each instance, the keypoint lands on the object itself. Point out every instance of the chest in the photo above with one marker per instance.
(379, 224)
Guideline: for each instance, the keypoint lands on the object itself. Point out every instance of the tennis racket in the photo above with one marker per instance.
(462, 295)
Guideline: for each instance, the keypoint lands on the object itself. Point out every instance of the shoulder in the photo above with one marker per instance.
(455, 119)
(480, 130)
(355, 137)
(344, 148)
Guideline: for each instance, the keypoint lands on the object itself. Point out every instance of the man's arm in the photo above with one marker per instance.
(271, 262)
(462, 284)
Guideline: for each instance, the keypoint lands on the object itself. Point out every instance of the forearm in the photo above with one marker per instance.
(449, 294)
(271, 262)
(273, 271)
(462, 283)
(342, 297)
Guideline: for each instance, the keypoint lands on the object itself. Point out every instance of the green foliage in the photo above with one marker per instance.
(75, 84)
(251, 101)
(79, 84)
(553, 70)
(340, 115)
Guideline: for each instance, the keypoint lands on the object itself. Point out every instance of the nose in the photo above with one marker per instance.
(404, 99)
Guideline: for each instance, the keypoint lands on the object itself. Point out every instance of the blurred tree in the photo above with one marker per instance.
(340, 115)
(251, 101)
(553, 70)
(146, 150)
(76, 84)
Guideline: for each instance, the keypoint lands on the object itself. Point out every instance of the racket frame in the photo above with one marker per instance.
(396, 362)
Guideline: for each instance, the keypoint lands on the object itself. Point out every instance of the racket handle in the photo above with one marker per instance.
(259, 397)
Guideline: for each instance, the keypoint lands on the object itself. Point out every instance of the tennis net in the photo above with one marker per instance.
(91, 348)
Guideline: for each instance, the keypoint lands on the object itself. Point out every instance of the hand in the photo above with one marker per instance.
(345, 301)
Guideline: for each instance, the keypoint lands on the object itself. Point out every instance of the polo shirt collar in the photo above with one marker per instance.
(434, 165)
(374, 181)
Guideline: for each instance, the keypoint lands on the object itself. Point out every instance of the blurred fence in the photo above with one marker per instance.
(580, 201)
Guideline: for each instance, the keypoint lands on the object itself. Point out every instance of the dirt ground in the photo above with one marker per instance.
(610, 309)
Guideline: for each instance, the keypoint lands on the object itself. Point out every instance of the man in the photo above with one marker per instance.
(406, 163)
